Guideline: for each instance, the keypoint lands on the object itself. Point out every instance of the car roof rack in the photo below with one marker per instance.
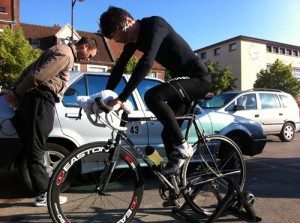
(263, 89)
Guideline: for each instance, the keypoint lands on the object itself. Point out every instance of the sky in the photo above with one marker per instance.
(200, 22)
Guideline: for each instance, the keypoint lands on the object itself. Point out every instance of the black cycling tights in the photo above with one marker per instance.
(172, 99)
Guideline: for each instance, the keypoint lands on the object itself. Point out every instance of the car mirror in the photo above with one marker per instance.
(239, 108)
(71, 92)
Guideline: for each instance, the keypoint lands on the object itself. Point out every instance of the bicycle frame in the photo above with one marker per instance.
(116, 147)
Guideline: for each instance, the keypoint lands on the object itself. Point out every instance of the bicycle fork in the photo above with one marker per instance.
(109, 167)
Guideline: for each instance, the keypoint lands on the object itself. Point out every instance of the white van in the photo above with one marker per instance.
(276, 110)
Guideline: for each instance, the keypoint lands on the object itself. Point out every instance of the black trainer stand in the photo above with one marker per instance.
(233, 196)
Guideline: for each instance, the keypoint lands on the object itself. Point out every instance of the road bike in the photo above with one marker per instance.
(108, 182)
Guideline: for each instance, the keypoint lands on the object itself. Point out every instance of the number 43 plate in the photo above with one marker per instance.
(134, 128)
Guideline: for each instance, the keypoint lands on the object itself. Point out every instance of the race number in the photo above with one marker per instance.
(134, 128)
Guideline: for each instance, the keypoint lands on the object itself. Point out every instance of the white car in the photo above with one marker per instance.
(276, 110)
(69, 132)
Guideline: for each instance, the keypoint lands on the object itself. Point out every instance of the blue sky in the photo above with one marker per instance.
(199, 22)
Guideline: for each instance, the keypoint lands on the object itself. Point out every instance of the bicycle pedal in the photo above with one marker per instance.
(171, 203)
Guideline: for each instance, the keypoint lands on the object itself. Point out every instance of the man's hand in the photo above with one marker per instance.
(10, 97)
(115, 103)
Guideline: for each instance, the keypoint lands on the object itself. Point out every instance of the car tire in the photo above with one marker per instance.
(54, 154)
(287, 132)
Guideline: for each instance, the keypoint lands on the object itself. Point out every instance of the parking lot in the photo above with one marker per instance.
(273, 177)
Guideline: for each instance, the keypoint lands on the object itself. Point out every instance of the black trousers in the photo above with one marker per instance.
(34, 122)
(172, 99)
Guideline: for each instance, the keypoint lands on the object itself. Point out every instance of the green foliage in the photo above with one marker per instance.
(222, 80)
(131, 65)
(167, 75)
(15, 55)
(279, 76)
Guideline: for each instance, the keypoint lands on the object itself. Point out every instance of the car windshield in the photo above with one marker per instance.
(218, 101)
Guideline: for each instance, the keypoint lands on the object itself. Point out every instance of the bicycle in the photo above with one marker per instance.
(107, 180)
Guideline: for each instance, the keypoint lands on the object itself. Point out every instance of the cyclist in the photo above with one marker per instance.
(157, 40)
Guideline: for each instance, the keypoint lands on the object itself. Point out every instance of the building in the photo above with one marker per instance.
(9, 13)
(247, 56)
(44, 37)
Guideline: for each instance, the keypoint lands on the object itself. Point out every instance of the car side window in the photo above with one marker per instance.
(269, 101)
(251, 102)
(286, 101)
(144, 86)
(88, 85)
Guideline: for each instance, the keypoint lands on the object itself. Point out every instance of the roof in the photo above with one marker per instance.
(108, 50)
(249, 39)
(46, 35)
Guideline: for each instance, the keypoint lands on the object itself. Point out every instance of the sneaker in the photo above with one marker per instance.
(41, 200)
(186, 149)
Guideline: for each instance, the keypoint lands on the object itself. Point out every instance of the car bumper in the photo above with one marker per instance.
(257, 146)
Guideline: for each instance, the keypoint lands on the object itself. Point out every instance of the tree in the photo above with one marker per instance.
(15, 55)
(279, 76)
(167, 75)
(130, 65)
(222, 80)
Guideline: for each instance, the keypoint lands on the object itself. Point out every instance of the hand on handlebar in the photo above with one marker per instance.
(116, 104)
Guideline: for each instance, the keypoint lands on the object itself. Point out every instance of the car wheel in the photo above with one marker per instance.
(287, 132)
(53, 155)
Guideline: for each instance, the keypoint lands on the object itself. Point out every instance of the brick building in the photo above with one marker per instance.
(43, 37)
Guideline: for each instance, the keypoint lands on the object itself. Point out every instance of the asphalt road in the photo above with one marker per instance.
(273, 177)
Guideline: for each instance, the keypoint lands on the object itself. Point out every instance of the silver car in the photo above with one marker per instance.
(276, 110)
(70, 132)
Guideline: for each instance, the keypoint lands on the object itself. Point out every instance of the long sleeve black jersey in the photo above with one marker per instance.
(158, 41)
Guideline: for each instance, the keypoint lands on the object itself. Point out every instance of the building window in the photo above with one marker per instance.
(275, 49)
(65, 41)
(232, 46)
(76, 67)
(289, 52)
(203, 55)
(96, 68)
(2, 10)
(295, 53)
(297, 73)
(282, 51)
(153, 74)
(269, 49)
(217, 51)
(35, 42)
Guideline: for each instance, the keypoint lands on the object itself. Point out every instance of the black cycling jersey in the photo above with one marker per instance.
(158, 41)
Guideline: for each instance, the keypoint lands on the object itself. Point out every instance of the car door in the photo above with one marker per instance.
(245, 106)
(81, 129)
(270, 113)
(154, 127)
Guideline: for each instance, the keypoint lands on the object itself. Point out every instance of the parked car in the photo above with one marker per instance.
(70, 132)
(276, 110)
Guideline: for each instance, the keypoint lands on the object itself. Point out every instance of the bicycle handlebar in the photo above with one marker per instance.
(109, 115)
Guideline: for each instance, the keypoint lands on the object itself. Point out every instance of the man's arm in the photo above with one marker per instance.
(156, 33)
(119, 68)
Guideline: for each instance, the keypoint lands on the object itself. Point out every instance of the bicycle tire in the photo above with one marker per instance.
(204, 189)
(118, 203)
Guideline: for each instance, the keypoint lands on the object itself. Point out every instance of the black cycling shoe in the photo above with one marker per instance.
(177, 159)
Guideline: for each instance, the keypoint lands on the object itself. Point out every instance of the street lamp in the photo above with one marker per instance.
(72, 18)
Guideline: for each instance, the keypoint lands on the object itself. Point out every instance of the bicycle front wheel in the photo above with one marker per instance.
(87, 201)
(206, 176)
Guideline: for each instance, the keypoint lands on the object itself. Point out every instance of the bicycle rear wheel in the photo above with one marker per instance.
(117, 203)
(207, 172)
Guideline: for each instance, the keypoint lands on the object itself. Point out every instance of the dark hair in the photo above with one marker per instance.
(112, 20)
(88, 40)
